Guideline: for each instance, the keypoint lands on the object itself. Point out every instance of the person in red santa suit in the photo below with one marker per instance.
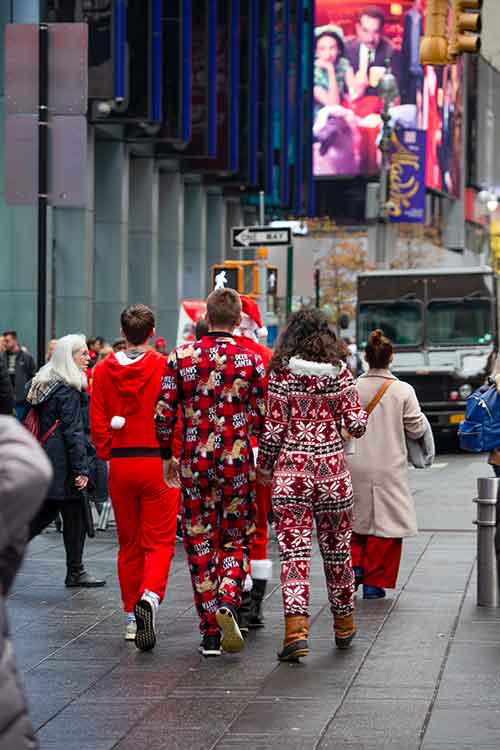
(124, 395)
(247, 335)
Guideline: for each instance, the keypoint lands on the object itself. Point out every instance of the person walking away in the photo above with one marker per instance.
(383, 506)
(125, 389)
(219, 386)
(161, 346)
(57, 393)
(6, 391)
(247, 335)
(492, 376)
(21, 367)
(50, 349)
(311, 397)
(25, 474)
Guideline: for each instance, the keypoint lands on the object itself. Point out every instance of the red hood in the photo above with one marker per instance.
(256, 347)
(131, 379)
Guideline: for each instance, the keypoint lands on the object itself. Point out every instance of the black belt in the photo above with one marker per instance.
(135, 453)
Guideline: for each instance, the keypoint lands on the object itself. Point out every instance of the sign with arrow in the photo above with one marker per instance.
(257, 236)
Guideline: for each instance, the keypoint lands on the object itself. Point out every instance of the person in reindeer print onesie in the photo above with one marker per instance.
(312, 399)
(219, 386)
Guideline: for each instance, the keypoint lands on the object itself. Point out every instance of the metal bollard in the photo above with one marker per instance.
(487, 572)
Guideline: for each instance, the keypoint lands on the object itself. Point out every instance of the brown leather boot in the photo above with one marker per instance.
(345, 630)
(295, 643)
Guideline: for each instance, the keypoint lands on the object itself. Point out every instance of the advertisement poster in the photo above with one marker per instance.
(407, 176)
(353, 42)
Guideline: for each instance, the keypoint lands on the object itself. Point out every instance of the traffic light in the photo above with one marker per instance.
(434, 44)
(466, 28)
(229, 276)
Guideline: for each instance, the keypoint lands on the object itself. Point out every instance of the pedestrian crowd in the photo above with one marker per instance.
(219, 436)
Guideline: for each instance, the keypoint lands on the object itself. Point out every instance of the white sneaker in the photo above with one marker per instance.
(130, 630)
(145, 617)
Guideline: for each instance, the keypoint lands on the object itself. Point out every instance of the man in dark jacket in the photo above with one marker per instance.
(6, 391)
(21, 368)
(25, 474)
(371, 49)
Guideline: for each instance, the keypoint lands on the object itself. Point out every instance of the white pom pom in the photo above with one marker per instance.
(117, 423)
(262, 332)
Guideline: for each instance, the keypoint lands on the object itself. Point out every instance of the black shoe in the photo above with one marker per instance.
(244, 612)
(210, 645)
(82, 579)
(256, 618)
(145, 617)
(227, 619)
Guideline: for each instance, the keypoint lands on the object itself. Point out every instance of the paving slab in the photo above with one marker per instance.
(423, 657)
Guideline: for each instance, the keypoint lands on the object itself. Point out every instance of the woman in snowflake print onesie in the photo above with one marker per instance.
(312, 397)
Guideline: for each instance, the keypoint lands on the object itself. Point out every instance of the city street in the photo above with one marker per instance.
(423, 671)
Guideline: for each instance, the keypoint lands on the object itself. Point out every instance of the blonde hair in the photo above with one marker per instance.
(62, 366)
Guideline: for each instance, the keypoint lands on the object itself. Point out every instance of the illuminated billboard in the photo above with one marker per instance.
(354, 40)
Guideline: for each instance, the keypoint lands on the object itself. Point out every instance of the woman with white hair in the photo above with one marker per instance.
(58, 394)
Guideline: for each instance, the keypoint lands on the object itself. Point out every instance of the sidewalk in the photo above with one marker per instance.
(423, 673)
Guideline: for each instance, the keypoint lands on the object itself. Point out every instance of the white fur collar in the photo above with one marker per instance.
(322, 369)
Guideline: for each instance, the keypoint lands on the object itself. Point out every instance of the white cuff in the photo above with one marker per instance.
(262, 570)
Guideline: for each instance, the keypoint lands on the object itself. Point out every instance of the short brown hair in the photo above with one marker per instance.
(224, 308)
(138, 323)
(378, 350)
(372, 11)
(10, 333)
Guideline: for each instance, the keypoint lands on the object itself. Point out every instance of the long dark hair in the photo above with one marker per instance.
(307, 335)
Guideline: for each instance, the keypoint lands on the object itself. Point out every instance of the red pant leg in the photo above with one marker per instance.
(358, 545)
(381, 561)
(158, 517)
(293, 521)
(145, 518)
(258, 547)
(125, 500)
(237, 529)
(202, 506)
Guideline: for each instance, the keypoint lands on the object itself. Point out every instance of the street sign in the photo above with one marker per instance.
(256, 236)
(68, 68)
(67, 105)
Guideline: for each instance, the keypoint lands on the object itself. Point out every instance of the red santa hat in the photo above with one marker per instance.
(251, 317)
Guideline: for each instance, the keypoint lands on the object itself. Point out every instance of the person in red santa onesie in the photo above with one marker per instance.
(247, 335)
(124, 395)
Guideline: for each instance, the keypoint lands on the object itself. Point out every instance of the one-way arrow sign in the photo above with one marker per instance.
(256, 236)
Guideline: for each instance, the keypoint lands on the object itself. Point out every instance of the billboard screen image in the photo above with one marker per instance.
(354, 40)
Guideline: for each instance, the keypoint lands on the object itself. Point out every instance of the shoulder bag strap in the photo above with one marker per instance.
(378, 396)
(50, 432)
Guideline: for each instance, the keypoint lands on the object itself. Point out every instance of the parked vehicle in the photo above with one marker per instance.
(443, 324)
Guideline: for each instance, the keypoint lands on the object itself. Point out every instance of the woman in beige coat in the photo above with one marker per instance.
(383, 506)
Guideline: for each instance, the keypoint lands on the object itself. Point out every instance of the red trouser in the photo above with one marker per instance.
(258, 546)
(145, 512)
(378, 557)
(217, 520)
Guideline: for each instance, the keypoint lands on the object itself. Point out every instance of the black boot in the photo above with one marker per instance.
(74, 540)
(244, 612)
(256, 618)
(79, 578)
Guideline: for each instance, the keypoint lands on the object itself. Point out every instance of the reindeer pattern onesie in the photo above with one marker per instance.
(220, 388)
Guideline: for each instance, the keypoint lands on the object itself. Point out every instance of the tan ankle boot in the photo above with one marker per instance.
(345, 630)
(295, 642)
